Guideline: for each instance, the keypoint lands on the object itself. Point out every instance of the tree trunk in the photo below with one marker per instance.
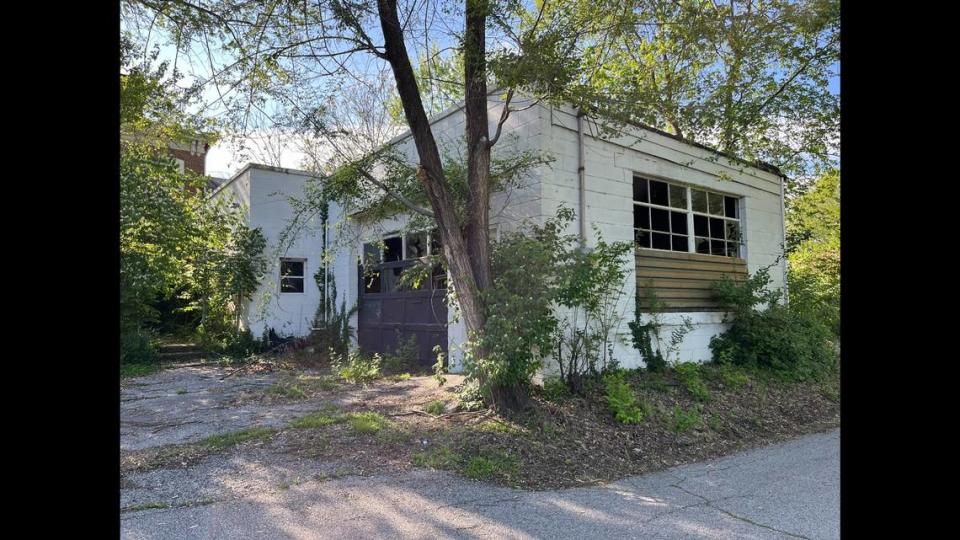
(477, 137)
(431, 175)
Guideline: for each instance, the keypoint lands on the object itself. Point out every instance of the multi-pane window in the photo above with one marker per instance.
(680, 218)
(291, 275)
(385, 261)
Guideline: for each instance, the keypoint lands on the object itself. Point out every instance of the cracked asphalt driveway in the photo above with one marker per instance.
(789, 490)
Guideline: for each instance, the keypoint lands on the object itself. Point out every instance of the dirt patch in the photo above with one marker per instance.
(383, 427)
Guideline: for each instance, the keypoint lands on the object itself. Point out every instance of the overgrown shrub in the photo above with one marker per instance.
(768, 334)
(356, 367)
(137, 347)
(656, 355)
(539, 275)
(405, 358)
(621, 399)
(689, 375)
(331, 323)
(555, 388)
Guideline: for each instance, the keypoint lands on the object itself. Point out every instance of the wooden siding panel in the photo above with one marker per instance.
(684, 281)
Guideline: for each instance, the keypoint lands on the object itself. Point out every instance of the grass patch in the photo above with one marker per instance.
(227, 440)
(366, 422)
(316, 420)
(137, 370)
(302, 386)
(181, 392)
(498, 426)
(485, 467)
(398, 378)
(733, 377)
(684, 420)
(435, 407)
(437, 457)
(554, 389)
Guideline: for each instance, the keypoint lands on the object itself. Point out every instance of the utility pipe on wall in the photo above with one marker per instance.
(581, 173)
(783, 232)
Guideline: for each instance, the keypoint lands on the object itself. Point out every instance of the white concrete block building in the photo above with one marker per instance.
(694, 215)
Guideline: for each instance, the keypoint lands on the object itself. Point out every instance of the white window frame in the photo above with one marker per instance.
(281, 276)
(691, 232)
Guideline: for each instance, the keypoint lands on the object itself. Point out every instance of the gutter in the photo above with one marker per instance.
(581, 173)
(783, 236)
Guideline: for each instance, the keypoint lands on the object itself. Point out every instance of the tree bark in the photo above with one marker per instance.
(477, 136)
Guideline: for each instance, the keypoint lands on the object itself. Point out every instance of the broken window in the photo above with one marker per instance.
(291, 275)
(678, 218)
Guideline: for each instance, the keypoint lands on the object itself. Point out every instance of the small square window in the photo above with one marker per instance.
(416, 246)
(371, 282)
(733, 249)
(678, 220)
(659, 193)
(698, 200)
(678, 196)
(700, 226)
(716, 204)
(702, 245)
(660, 219)
(680, 243)
(661, 241)
(291, 276)
(641, 217)
(640, 190)
(392, 250)
(641, 238)
(730, 206)
(716, 228)
(718, 247)
(733, 231)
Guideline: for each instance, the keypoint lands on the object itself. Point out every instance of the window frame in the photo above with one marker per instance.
(302, 278)
(689, 212)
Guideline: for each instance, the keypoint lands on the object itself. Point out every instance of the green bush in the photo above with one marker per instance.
(404, 359)
(554, 388)
(684, 420)
(621, 399)
(689, 375)
(357, 367)
(767, 334)
(137, 347)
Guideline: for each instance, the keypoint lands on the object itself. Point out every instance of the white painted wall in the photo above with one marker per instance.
(610, 163)
(266, 190)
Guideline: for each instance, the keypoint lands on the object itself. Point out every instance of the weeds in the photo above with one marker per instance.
(689, 375)
(366, 422)
(357, 368)
(684, 420)
(485, 467)
(227, 440)
(621, 399)
(435, 407)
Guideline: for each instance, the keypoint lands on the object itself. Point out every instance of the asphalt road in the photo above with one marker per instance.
(790, 490)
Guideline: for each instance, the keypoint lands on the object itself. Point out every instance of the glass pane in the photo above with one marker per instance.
(718, 247)
(700, 227)
(678, 196)
(660, 219)
(640, 189)
(661, 241)
(416, 246)
(291, 268)
(659, 193)
(716, 204)
(641, 238)
(391, 279)
(733, 231)
(730, 206)
(678, 220)
(371, 254)
(702, 245)
(392, 251)
(733, 249)
(716, 228)
(435, 248)
(699, 200)
(291, 285)
(641, 217)
(680, 243)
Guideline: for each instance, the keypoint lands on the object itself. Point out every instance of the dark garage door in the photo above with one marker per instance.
(389, 314)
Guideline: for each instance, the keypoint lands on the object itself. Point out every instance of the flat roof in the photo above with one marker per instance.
(262, 167)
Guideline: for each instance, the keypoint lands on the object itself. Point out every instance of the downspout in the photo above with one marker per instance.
(783, 236)
(581, 173)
